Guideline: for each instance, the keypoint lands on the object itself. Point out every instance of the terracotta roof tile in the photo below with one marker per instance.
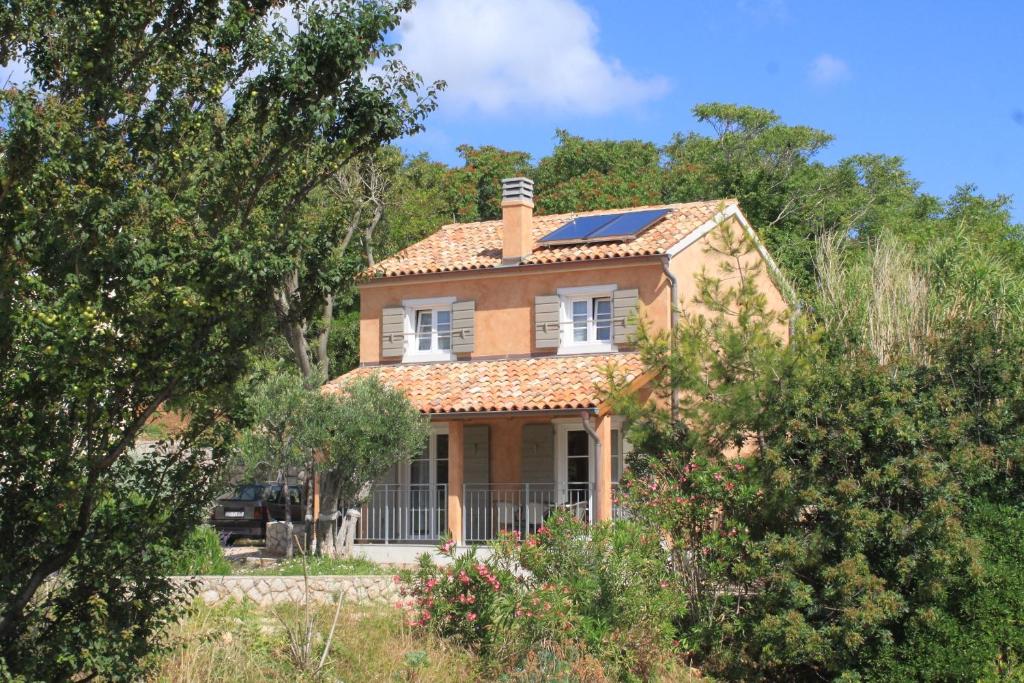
(471, 246)
(522, 384)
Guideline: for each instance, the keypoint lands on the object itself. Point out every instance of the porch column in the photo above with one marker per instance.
(456, 460)
(603, 470)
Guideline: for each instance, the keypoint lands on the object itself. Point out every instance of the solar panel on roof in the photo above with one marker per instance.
(605, 227)
(577, 229)
(627, 224)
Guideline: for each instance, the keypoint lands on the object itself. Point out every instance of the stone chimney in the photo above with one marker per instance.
(516, 219)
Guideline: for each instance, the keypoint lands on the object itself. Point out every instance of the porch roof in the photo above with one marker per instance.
(506, 385)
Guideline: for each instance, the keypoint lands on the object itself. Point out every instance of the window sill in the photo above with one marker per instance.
(428, 357)
(586, 347)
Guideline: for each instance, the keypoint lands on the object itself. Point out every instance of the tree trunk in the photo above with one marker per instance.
(328, 519)
(309, 524)
(286, 496)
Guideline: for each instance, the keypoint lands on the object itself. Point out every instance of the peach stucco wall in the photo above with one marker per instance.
(505, 297)
(689, 263)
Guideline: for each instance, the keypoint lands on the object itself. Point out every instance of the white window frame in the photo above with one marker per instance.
(405, 469)
(412, 307)
(406, 490)
(568, 295)
(570, 424)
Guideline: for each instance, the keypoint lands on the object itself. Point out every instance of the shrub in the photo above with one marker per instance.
(978, 635)
(200, 554)
(463, 600)
(624, 600)
(861, 537)
(602, 593)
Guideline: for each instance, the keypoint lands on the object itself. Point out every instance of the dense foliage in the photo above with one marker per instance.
(153, 166)
(584, 602)
(836, 512)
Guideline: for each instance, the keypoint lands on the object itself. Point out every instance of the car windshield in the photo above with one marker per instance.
(293, 491)
(248, 492)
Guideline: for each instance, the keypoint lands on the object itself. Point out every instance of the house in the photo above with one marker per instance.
(501, 331)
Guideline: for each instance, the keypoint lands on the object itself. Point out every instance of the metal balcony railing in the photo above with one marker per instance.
(418, 513)
(489, 509)
(396, 513)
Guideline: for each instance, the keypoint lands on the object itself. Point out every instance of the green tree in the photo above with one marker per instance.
(367, 428)
(583, 175)
(474, 190)
(282, 430)
(831, 508)
(151, 173)
(790, 197)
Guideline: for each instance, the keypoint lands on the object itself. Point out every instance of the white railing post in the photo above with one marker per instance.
(526, 509)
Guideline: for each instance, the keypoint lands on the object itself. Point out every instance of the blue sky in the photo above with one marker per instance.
(938, 83)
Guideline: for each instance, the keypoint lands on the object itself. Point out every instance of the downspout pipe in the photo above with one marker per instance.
(673, 286)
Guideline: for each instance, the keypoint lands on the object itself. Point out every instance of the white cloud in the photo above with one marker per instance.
(826, 70)
(499, 56)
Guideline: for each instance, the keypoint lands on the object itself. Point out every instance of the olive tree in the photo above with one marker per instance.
(283, 429)
(368, 428)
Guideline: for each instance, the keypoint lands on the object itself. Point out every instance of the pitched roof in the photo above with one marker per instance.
(519, 384)
(472, 246)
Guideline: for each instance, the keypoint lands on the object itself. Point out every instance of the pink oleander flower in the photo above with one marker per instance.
(431, 583)
(718, 476)
(729, 486)
(471, 616)
(397, 579)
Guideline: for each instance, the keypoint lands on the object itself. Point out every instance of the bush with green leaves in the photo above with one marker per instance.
(625, 602)
(200, 554)
(603, 592)
(465, 600)
(832, 510)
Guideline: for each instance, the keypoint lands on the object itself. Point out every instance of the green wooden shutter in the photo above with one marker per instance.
(463, 326)
(546, 315)
(624, 308)
(392, 329)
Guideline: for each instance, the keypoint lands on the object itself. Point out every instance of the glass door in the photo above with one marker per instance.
(575, 471)
(428, 477)
(439, 515)
(419, 495)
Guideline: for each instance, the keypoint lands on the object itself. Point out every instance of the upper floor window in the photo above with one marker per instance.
(433, 329)
(586, 319)
(428, 328)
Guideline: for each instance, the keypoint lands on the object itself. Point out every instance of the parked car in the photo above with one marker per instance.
(245, 511)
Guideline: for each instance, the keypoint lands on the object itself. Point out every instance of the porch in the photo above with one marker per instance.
(512, 440)
(479, 477)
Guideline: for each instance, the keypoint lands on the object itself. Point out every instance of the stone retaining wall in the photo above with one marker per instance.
(272, 590)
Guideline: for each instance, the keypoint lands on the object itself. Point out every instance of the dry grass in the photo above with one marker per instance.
(880, 297)
(238, 643)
